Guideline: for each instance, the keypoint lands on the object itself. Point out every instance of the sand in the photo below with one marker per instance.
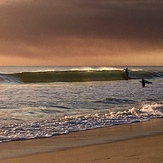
(137, 142)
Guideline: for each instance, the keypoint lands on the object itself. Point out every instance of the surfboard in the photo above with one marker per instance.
(146, 82)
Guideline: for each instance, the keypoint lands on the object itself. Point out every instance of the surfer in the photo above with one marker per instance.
(143, 82)
(126, 72)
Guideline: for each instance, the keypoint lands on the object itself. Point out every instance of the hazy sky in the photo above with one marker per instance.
(81, 32)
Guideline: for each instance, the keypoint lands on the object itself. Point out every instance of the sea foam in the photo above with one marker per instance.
(58, 126)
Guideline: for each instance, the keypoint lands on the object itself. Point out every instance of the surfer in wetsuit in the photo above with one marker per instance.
(126, 72)
(143, 82)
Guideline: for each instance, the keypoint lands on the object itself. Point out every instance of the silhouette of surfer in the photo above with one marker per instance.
(143, 82)
(126, 72)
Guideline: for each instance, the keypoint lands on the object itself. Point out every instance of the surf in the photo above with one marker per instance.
(75, 74)
(51, 127)
(83, 76)
(9, 79)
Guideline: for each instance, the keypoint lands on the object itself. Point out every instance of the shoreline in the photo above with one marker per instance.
(83, 141)
(144, 150)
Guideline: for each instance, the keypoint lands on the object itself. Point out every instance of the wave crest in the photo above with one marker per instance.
(84, 75)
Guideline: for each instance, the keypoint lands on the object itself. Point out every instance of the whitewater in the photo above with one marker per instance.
(38, 102)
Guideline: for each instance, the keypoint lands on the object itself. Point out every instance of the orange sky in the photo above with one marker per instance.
(81, 33)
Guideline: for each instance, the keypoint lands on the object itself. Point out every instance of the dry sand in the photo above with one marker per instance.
(135, 143)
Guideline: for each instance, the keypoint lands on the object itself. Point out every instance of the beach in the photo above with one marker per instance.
(136, 142)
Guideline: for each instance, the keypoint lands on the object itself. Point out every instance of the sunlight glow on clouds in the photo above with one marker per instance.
(77, 32)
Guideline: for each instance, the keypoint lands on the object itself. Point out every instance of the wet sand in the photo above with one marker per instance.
(137, 142)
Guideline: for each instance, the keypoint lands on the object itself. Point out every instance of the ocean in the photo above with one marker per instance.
(40, 102)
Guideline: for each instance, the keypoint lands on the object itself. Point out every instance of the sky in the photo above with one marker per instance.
(81, 32)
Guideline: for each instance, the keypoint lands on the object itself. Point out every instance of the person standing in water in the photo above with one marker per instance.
(143, 82)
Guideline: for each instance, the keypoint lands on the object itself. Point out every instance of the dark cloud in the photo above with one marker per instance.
(40, 22)
(89, 18)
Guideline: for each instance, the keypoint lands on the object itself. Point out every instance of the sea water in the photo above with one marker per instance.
(44, 108)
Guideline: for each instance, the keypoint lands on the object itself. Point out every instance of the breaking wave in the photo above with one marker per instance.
(77, 76)
(48, 128)
(4, 78)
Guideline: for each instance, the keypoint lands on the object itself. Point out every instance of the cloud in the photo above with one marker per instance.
(48, 27)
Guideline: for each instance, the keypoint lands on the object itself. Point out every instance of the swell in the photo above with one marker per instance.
(77, 76)
(84, 76)
(70, 76)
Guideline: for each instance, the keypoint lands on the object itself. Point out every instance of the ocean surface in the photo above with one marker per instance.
(37, 102)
